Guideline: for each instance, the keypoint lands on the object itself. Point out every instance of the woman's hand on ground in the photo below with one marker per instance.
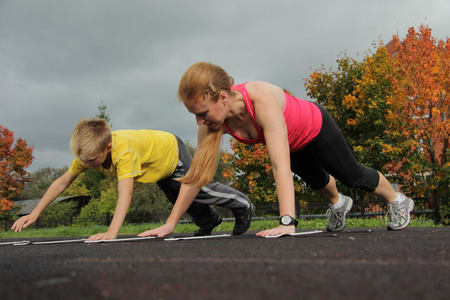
(159, 232)
(277, 231)
(102, 236)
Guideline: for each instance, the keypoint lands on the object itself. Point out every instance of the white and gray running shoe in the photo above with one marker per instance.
(336, 217)
(399, 213)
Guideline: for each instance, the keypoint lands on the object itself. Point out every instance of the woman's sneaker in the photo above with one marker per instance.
(336, 216)
(399, 213)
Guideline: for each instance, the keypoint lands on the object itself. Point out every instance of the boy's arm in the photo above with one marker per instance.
(185, 198)
(125, 188)
(55, 189)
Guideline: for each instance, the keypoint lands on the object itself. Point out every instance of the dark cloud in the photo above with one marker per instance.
(59, 58)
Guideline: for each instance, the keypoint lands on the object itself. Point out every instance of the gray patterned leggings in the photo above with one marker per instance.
(213, 194)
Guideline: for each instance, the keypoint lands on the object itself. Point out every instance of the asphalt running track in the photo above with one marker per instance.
(356, 264)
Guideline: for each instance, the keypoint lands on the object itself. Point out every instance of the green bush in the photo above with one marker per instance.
(149, 204)
(58, 214)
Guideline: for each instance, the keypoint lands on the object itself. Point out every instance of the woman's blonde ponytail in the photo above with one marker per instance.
(205, 161)
(200, 79)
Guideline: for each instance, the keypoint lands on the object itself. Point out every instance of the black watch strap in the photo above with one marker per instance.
(287, 220)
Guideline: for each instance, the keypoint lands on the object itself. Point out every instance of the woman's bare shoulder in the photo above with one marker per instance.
(264, 91)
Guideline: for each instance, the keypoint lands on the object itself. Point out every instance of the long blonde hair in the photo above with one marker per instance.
(200, 79)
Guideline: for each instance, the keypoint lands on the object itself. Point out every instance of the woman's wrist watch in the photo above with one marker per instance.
(287, 220)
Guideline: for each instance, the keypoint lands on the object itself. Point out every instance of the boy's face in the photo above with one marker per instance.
(95, 160)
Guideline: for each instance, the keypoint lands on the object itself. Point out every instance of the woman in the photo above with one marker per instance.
(300, 136)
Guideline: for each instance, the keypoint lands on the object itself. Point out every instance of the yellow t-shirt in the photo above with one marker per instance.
(146, 155)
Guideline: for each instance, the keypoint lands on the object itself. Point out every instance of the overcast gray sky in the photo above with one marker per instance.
(59, 58)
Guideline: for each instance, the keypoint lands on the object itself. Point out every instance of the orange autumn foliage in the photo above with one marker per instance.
(14, 159)
(420, 107)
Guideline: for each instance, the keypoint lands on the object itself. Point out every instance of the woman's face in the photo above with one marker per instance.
(207, 111)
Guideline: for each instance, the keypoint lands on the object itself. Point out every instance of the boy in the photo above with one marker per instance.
(143, 156)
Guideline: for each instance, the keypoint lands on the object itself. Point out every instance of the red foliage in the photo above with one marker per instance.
(14, 159)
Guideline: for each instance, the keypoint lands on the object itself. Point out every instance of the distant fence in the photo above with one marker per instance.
(437, 209)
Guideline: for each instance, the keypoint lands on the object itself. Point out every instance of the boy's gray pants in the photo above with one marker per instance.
(202, 212)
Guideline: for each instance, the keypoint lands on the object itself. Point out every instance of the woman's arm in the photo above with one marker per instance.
(185, 198)
(268, 101)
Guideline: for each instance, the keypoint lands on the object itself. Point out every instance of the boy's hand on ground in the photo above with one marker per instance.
(102, 236)
(277, 231)
(160, 231)
(23, 222)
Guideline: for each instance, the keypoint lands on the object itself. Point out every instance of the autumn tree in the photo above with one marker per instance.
(355, 96)
(393, 110)
(368, 129)
(249, 170)
(14, 159)
(420, 108)
(329, 88)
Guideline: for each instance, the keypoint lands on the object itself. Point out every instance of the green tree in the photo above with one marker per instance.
(58, 214)
(77, 188)
(108, 196)
(102, 111)
(93, 178)
(41, 181)
(149, 204)
(106, 203)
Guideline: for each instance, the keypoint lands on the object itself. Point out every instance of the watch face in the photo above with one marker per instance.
(285, 220)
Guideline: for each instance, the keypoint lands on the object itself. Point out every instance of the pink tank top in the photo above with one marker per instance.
(303, 120)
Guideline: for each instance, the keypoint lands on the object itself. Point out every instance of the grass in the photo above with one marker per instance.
(133, 229)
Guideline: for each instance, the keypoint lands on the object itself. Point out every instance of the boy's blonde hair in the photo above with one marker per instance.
(201, 79)
(90, 136)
